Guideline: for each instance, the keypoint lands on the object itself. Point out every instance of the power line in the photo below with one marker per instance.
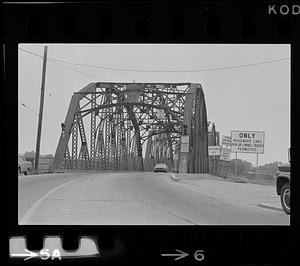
(35, 91)
(54, 62)
(53, 110)
(166, 71)
(175, 71)
(80, 72)
(24, 105)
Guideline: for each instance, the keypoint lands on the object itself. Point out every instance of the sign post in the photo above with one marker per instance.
(256, 175)
(235, 164)
(213, 151)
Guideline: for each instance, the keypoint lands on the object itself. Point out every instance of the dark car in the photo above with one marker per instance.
(283, 180)
(161, 167)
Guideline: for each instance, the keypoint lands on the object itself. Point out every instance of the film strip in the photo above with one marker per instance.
(112, 147)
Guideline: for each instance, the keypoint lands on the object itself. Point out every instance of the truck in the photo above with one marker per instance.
(23, 165)
(283, 184)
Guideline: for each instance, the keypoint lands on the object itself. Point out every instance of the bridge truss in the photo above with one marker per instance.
(133, 126)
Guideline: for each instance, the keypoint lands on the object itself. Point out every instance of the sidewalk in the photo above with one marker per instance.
(231, 191)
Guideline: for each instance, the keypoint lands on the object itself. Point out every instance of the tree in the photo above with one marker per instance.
(270, 168)
(242, 166)
(29, 155)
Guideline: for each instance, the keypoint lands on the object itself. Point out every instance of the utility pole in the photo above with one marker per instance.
(38, 139)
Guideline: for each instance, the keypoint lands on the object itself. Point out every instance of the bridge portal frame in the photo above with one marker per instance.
(193, 117)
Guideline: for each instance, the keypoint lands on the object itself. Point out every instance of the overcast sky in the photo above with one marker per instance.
(255, 97)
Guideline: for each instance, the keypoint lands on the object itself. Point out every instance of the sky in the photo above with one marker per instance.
(254, 97)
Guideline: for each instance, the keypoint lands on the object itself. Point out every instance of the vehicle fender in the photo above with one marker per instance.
(280, 181)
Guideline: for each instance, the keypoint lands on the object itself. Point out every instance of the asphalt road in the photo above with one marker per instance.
(144, 198)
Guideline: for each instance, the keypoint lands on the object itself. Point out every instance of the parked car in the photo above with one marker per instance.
(161, 167)
(23, 165)
(283, 180)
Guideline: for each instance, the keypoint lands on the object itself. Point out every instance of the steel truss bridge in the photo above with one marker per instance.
(133, 126)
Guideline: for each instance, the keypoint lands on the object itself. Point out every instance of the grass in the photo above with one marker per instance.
(261, 179)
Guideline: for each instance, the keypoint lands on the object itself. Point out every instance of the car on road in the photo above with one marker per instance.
(283, 180)
(23, 165)
(161, 167)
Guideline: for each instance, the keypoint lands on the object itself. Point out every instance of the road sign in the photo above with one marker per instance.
(225, 151)
(225, 154)
(214, 150)
(160, 113)
(185, 139)
(243, 141)
(45, 163)
(184, 144)
(226, 140)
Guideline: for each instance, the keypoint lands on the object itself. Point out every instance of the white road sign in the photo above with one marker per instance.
(184, 144)
(160, 113)
(214, 150)
(225, 154)
(226, 140)
(243, 141)
(185, 139)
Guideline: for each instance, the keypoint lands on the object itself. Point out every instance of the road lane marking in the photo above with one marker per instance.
(35, 205)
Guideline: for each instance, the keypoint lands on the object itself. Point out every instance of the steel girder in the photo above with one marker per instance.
(133, 126)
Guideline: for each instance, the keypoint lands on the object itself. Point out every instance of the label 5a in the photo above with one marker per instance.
(45, 254)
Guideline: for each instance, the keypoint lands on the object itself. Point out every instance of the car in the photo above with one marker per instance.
(283, 180)
(23, 165)
(161, 167)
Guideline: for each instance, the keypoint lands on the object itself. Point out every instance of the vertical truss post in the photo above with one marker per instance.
(74, 144)
(148, 153)
(93, 130)
(84, 154)
(107, 140)
(67, 159)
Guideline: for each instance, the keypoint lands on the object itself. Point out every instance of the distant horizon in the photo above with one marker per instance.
(252, 165)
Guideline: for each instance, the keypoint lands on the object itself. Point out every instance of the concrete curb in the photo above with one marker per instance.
(270, 206)
(174, 178)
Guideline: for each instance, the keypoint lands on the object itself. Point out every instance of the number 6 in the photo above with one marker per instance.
(198, 255)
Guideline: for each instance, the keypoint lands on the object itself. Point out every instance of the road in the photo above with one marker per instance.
(143, 198)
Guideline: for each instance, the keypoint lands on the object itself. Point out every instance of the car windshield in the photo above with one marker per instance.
(161, 165)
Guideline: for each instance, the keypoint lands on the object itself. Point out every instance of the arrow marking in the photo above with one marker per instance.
(28, 255)
(180, 255)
